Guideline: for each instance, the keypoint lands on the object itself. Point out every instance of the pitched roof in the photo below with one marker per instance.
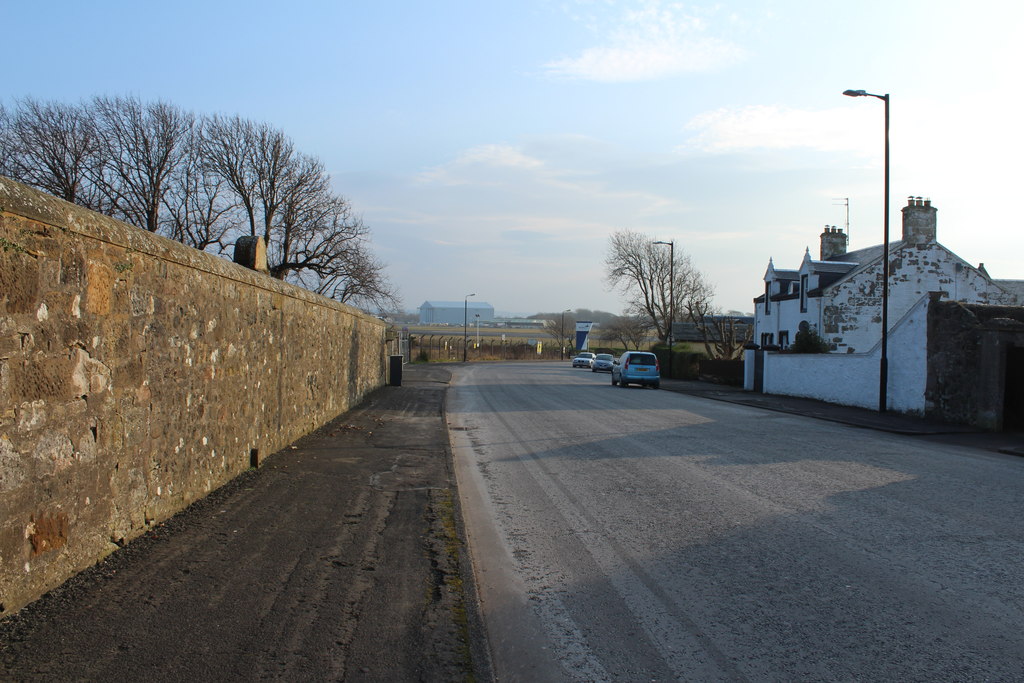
(861, 258)
(1014, 287)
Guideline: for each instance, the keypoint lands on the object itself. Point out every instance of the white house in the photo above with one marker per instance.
(840, 294)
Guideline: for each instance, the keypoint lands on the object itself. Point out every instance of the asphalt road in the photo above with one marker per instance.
(635, 534)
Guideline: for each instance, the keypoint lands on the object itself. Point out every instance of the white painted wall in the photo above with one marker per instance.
(852, 379)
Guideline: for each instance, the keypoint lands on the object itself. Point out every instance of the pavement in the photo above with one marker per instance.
(341, 558)
(895, 423)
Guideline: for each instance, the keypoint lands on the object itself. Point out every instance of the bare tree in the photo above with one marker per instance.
(311, 223)
(357, 277)
(5, 142)
(53, 147)
(153, 166)
(643, 273)
(227, 151)
(322, 245)
(259, 164)
(141, 145)
(723, 335)
(632, 331)
(201, 211)
(562, 330)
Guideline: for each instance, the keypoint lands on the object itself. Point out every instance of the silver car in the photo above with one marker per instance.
(583, 360)
(602, 362)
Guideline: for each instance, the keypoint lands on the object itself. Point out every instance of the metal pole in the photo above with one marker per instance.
(883, 364)
(671, 297)
(561, 333)
(883, 367)
(465, 325)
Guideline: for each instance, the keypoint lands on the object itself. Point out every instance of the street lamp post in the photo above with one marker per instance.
(671, 296)
(561, 333)
(465, 325)
(883, 365)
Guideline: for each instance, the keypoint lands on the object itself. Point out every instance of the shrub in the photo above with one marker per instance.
(809, 341)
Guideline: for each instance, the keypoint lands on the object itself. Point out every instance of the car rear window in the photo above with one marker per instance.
(604, 356)
(643, 359)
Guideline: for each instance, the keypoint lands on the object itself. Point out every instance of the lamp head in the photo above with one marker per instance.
(855, 93)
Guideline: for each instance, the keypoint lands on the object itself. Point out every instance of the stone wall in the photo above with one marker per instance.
(137, 375)
(971, 349)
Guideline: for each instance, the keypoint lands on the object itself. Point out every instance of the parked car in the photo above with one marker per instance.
(583, 360)
(603, 362)
(636, 367)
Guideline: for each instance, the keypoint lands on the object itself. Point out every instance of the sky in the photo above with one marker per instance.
(492, 147)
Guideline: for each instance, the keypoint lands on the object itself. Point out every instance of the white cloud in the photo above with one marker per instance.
(766, 127)
(468, 166)
(549, 172)
(649, 41)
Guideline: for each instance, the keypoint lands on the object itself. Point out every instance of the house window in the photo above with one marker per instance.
(767, 338)
(784, 338)
(803, 293)
(767, 298)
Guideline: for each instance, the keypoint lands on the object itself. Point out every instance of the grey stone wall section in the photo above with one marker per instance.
(138, 374)
(967, 352)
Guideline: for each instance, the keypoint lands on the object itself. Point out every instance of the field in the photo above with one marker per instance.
(441, 343)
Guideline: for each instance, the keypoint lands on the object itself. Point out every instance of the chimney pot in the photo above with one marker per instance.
(833, 242)
(919, 224)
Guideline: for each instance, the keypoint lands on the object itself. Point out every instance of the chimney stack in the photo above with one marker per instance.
(833, 242)
(919, 221)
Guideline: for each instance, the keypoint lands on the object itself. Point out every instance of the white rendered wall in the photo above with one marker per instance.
(852, 379)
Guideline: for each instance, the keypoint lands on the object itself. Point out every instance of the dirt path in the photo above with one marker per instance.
(339, 559)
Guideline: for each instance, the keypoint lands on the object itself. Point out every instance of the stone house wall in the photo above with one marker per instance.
(138, 374)
(975, 362)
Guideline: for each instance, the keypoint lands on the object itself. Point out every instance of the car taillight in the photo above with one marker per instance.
(657, 365)
(626, 364)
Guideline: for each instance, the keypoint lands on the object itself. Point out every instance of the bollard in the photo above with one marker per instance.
(395, 370)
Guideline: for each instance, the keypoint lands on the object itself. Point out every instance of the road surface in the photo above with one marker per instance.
(635, 534)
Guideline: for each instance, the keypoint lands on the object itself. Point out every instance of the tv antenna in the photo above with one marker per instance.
(845, 201)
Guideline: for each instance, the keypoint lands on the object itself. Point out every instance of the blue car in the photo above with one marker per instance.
(636, 367)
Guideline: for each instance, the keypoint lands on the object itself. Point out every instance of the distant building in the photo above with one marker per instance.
(455, 312)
